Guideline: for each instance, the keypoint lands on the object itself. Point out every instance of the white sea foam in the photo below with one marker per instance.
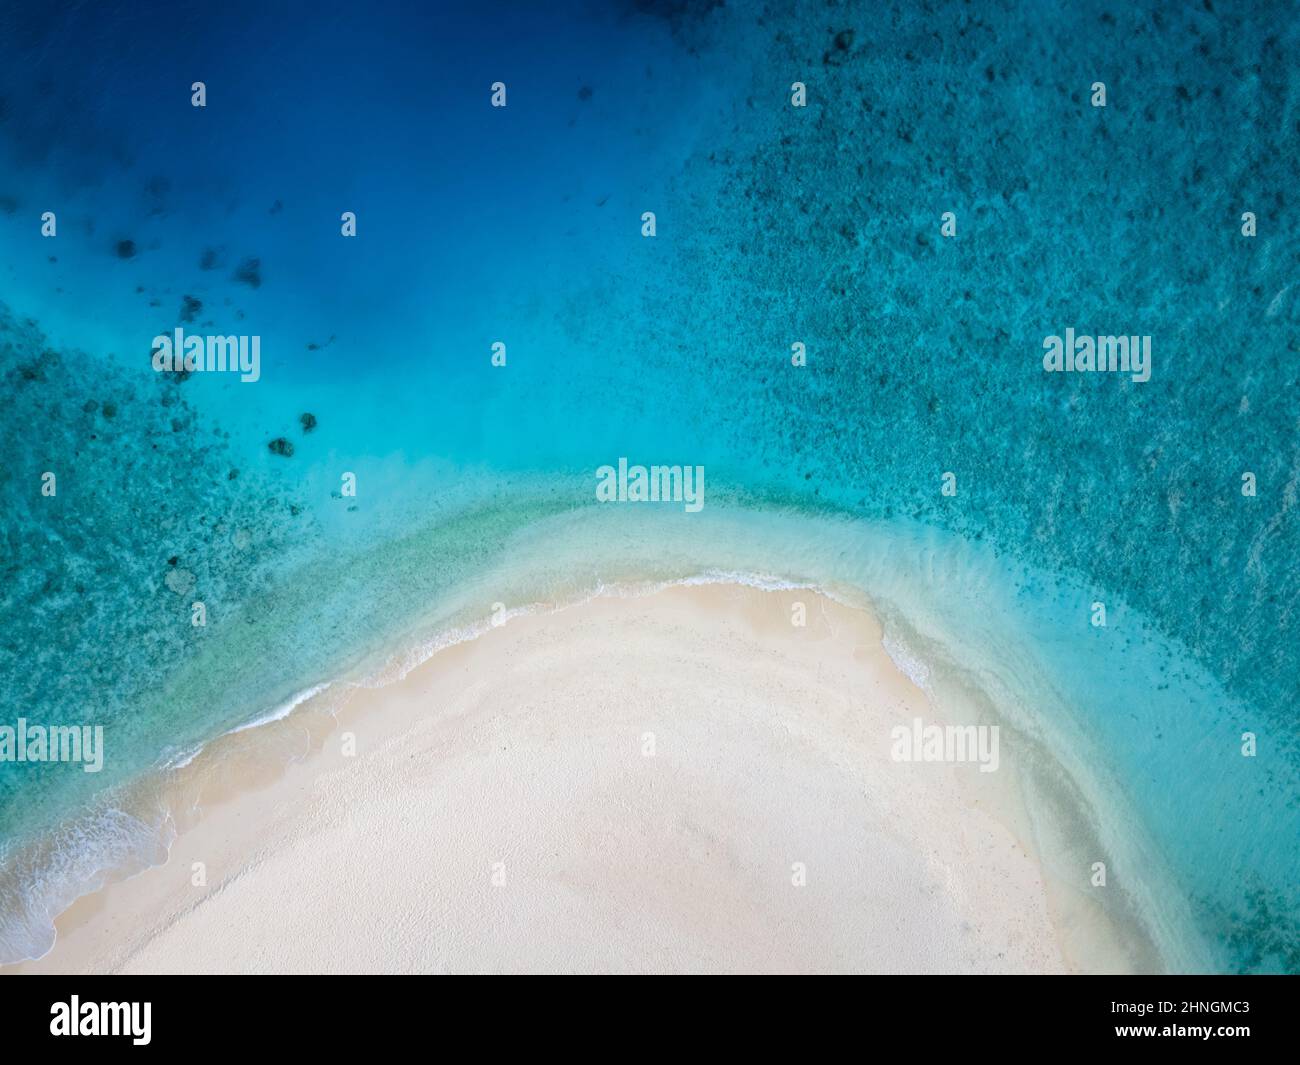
(908, 663)
(283, 710)
(40, 879)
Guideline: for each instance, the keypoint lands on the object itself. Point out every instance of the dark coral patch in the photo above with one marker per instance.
(250, 273)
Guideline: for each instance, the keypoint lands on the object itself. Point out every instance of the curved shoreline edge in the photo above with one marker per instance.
(901, 567)
(238, 778)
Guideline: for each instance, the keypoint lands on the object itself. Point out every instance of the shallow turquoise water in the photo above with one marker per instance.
(775, 225)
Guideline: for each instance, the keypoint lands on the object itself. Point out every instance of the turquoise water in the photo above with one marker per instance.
(775, 225)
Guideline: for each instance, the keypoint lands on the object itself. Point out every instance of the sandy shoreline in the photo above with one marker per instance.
(684, 781)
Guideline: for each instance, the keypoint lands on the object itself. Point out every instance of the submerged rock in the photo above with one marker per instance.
(180, 581)
(308, 421)
(250, 273)
(843, 44)
(190, 308)
(125, 249)
(281, 446)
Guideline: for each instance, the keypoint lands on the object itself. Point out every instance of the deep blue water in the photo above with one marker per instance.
(775, 224)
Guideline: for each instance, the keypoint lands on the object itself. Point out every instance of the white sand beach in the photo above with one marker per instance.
(678, 782)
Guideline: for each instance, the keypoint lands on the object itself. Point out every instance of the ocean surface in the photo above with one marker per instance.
(775, 225)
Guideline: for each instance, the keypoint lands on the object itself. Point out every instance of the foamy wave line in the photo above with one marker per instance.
(282, 711)
(908, 662)
(276, 713)
(399, 667)
(40, 881)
